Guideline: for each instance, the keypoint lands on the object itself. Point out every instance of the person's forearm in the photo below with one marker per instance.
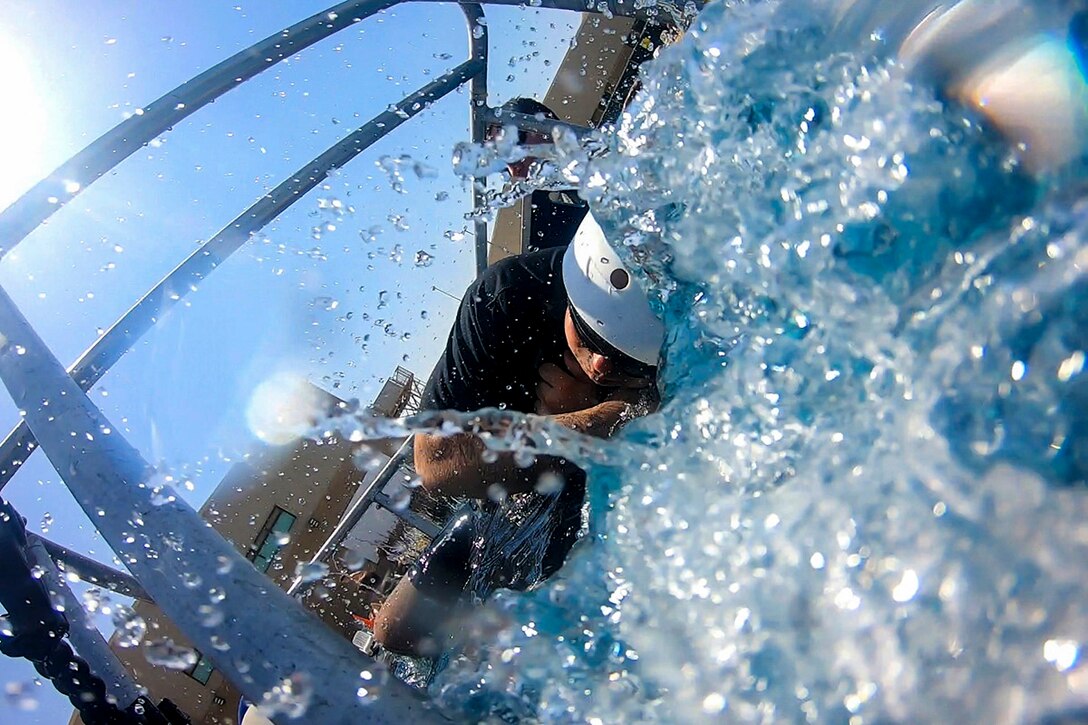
(456, 466)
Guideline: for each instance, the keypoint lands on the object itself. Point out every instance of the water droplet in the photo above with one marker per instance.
(131, 627)
(290, 698)
(210, 615)
(21, 696)
(165, 653)
(311, 571)
(549, 482)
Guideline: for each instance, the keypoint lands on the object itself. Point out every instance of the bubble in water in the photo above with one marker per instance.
(165, 653)
(47, 521)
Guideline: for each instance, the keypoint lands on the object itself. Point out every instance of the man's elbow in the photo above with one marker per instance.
(442, 471)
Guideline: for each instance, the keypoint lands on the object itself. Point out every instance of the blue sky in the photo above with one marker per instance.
(295, 300)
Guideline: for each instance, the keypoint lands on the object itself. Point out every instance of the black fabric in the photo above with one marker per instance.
(509, 324)
(555, 218)
(444, 567)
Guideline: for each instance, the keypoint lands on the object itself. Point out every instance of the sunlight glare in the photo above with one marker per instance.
(24, 124)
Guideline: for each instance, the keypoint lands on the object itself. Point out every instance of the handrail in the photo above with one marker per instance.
(92, 572)
(355, 512)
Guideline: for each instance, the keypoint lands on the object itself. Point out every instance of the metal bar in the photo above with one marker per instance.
(87, 641)
(620, 8)
(355, 513)
(407, 515)
(527, 122)
(124, 333)
(120, 142)
(94, 572)
(477, 39)
(110, 481)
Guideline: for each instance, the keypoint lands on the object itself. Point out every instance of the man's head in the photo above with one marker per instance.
(529, 107)
(609, 326)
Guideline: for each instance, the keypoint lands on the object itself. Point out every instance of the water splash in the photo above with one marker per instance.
(864, 497)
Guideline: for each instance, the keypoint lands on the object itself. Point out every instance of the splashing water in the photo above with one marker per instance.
(864, 497)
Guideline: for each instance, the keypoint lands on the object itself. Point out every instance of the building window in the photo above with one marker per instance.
(266, 546)
(202, 669)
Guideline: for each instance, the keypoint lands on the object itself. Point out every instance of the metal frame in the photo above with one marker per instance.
(107, 475)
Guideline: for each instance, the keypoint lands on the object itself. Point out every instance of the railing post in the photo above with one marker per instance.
(477, 41)
(355, 513)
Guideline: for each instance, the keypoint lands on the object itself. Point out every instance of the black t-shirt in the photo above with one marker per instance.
(509, 324)
(555, 218)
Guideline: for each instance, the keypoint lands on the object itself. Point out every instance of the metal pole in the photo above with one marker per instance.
(355, 513)
(124, 333)
(265, 637)
(93, 572)
(406, 515)
(127, 137)
(87, 641)
(477, 107)
(530, 123)
(620, 8)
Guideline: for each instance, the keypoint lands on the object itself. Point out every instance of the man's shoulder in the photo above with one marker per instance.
(543, 269)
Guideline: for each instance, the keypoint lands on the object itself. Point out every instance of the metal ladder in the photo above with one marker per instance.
(107, 475)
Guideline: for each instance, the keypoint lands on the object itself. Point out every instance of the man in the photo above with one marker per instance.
(565, 333)
(555, 215)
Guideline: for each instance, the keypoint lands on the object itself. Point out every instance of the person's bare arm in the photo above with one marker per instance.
(455, 466)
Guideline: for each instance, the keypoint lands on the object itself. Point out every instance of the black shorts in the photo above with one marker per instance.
(444, 568)
(471, 547)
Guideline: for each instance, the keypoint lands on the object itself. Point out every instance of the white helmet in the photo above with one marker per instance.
(607, 298)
